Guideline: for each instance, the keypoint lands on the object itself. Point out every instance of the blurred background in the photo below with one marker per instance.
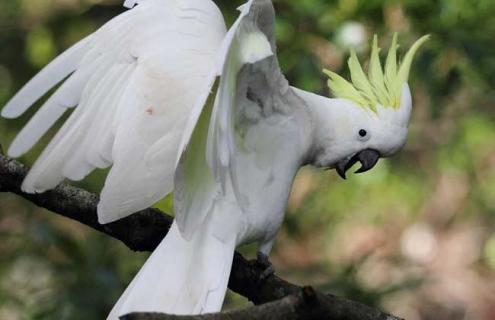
(414, 237)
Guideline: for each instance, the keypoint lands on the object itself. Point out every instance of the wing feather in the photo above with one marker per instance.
(51, 75)
(67, 96)
(134, 82)
(98, 109)
(206, 167)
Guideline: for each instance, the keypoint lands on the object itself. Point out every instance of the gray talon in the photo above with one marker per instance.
(264, 262)
(270, 271)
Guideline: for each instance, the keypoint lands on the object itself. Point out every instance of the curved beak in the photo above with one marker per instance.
(368, 159)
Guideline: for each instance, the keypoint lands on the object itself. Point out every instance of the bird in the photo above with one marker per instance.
(173, 101)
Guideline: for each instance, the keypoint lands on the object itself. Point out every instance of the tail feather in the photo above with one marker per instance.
(180, 277)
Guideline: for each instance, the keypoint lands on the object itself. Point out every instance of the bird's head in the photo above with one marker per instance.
(369, 117)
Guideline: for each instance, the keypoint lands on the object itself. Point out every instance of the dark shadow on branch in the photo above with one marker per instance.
(144, 230)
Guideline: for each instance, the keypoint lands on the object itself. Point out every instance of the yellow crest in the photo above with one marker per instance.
(380, 86)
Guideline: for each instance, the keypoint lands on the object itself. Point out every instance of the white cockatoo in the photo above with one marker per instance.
(174, 102)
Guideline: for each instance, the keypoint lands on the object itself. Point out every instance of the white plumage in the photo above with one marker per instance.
(134, 82)
(140, 86)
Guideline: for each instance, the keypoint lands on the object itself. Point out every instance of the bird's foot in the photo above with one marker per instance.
(263, 261)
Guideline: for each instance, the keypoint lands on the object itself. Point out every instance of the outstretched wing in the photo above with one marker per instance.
(207, 166)
(134, 82)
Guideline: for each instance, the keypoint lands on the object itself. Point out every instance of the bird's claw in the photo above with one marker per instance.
(270, 271)
(263, 261)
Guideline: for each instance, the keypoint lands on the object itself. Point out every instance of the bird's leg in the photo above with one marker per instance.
(263, 260)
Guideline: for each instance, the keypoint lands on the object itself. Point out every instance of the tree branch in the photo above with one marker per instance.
(144, 230)
(306, 305)
(140, 232)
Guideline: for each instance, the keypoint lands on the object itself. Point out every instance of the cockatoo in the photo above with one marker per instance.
(174, 102)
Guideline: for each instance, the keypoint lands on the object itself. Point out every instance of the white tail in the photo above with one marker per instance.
(180, 277)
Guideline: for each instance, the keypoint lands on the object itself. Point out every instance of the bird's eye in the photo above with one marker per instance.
(364, 135)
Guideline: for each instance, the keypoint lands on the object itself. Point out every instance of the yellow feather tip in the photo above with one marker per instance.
(382, 85)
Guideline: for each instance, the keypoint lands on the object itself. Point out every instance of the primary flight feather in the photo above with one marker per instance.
(172, 101)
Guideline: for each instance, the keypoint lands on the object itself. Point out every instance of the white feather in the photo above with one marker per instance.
(52, 74)
(67, 96)
(208, 157)
(207, 225)
(146, 68)
(169, 282)
(76, 165)
(140, 108)
(248, 46)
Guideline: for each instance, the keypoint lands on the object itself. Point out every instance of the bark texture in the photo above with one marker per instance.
(307, 304)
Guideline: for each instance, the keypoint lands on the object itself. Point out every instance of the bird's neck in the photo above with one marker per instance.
(323, 116)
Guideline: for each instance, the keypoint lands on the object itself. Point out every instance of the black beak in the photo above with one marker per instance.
(368, 159)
